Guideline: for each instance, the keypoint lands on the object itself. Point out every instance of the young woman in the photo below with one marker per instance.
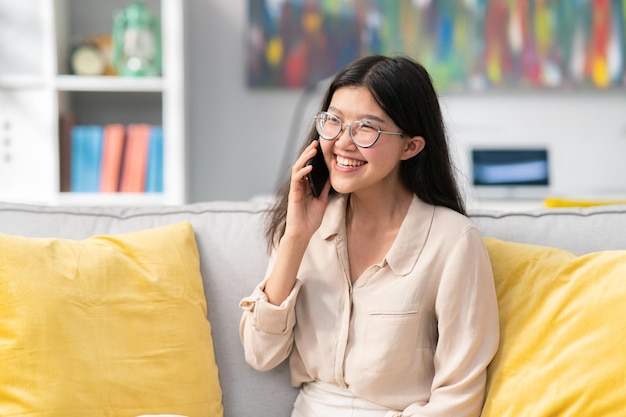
(380, 290)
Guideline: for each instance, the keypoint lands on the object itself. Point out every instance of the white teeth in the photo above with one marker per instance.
(349, 163)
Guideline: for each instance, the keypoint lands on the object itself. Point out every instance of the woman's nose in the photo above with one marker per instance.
(344, 139)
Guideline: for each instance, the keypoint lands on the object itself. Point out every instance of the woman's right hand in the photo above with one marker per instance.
(304, 211)
(304, 216)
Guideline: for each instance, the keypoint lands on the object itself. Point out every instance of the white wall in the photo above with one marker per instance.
(237, 135)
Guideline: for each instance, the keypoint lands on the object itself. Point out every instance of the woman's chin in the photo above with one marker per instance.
(342, 187)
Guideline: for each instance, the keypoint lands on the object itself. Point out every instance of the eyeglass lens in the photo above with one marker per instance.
(363, 133)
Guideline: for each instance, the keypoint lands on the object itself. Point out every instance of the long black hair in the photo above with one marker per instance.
(404, 90)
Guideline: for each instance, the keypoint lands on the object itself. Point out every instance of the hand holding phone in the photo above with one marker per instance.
(319, 174)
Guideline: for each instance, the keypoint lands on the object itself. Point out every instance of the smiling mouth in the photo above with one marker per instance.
(348, 163)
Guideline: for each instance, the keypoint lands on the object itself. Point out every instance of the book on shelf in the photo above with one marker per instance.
(112, 152)
(154, 173)
(135, 163)
(86, 153)
(66, 122)
(111, 158)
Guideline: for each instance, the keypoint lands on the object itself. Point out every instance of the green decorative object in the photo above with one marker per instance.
(136, 49)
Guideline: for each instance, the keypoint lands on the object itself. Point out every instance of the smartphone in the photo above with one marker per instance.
(319, 174)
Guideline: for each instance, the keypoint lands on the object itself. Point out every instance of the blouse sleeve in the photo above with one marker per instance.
(266, 330)
(468, 325)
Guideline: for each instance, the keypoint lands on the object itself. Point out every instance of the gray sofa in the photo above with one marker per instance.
(233, 260)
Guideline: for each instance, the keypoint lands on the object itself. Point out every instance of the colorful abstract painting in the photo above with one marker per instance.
(465, 44)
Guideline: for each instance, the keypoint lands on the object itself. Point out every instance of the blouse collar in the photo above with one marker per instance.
(409, 242)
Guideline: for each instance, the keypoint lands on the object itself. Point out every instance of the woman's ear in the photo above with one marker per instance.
(413, 146)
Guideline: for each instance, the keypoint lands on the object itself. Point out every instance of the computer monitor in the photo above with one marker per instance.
(510, 173)
(510, 167)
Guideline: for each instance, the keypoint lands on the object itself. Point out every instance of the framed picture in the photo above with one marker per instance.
(467, 45)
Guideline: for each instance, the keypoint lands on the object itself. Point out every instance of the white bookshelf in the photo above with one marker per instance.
(111, 84)
(35, 91)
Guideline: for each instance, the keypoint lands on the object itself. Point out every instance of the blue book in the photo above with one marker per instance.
(154, 170)
(86, 158)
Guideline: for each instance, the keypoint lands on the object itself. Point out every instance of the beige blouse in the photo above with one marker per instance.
(415, 332)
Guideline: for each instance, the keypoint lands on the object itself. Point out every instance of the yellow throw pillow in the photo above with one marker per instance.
(563, 333)
(110, 326)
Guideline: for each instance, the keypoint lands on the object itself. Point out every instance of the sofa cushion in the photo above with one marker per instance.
(106, 326)
(563, 321)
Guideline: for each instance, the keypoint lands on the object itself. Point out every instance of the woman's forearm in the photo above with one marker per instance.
(283, 276)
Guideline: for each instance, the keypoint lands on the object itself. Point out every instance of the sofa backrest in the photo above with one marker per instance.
(578, 230)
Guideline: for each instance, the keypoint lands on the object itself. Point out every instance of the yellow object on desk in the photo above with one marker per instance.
(552, 202)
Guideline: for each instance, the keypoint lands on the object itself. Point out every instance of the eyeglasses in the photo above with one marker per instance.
(363, 133)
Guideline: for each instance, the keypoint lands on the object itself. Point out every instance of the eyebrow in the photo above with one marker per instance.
(363, 117)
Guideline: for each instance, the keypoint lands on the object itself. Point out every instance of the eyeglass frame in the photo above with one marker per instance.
(349, 126)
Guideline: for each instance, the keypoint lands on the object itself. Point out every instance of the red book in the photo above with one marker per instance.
(113, 147)
(135, 158)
